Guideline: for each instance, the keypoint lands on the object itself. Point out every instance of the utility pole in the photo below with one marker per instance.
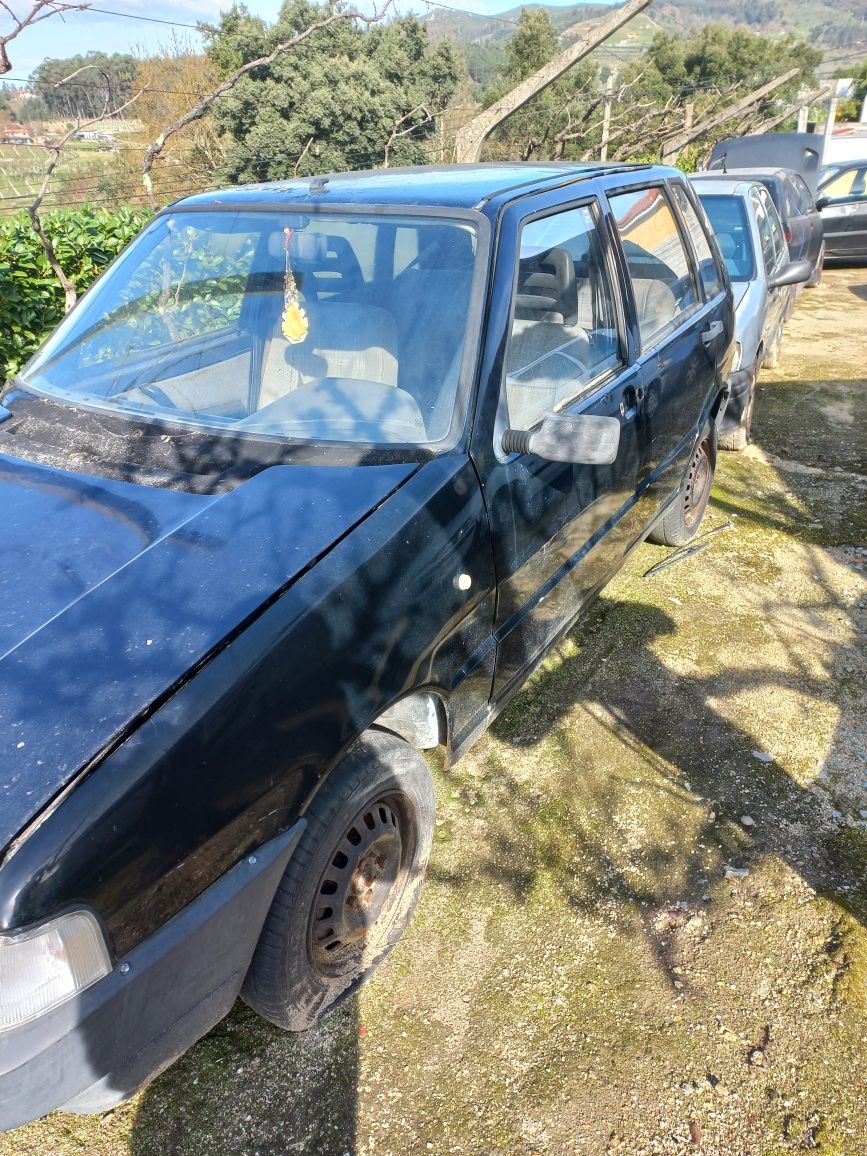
(606, 116)
(470, 138)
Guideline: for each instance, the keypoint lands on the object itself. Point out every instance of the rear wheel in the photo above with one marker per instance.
(350, 888)
(739, 438)
(816, 279)
(772, 353)
(683, 519)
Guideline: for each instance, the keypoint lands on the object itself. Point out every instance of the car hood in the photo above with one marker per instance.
(112, 593)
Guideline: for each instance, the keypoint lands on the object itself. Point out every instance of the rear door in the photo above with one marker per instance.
(773, 255)
(845, 215)
(684, 324)
(559, 530)
(807, 207)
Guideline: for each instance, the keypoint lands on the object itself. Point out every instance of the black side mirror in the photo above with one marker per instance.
(794, 273)
(584, 440)
(822, 203)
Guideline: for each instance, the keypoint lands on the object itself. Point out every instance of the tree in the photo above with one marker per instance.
(339, 100)
(106, 79)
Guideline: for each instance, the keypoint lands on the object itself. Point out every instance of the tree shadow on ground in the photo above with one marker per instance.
(250, 1087)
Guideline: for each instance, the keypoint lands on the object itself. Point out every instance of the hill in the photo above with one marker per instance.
(831, 24)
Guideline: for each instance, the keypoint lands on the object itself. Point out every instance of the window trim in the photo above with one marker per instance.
(593, 203)
(679, 319)
(707, 231)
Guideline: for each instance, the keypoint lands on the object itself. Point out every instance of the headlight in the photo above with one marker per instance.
(47, 965)
(736, 363)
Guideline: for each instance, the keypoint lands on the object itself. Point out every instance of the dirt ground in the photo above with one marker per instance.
(586, 973)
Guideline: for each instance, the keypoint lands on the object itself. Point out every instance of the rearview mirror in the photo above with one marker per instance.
(792, 274)
(584, 440)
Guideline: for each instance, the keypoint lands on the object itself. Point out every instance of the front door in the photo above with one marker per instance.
(559, 530)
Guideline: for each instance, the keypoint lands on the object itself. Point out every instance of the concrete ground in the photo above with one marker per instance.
(586, 973)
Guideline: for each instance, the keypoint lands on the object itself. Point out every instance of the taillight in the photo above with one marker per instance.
(787, 233)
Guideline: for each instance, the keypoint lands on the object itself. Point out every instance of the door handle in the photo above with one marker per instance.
(713, 331)
(629, 402)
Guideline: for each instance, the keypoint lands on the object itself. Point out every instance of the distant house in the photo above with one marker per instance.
(15, 136)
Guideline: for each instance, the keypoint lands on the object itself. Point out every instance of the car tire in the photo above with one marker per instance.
(774, 351)
(682, 520)
(350, 888)
(739, 438)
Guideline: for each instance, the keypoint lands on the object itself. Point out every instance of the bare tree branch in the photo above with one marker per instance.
(39, 10)
(198, 110)
(304, 153)
(395, 133)
(69, 291)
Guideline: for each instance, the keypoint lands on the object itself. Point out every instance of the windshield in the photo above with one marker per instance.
(728, 215)
(330, 327)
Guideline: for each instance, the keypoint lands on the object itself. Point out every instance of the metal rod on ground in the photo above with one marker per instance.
(686, 551)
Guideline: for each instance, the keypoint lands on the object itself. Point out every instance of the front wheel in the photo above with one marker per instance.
(350, 888)
(683, 519)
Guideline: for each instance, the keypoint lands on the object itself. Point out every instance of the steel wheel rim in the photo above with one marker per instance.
(697, 485)
(360, 887)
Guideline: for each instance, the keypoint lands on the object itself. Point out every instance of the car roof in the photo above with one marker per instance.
(775, 174)
(723, 183)
(435, 186)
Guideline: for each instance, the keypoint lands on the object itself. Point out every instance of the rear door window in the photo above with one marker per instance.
(660, 268)
(708, 271)
(766, 233)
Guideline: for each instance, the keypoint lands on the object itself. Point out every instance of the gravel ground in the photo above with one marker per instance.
(643, 929)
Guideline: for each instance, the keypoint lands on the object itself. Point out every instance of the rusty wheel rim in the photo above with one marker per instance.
(697, 485)
(359, 888)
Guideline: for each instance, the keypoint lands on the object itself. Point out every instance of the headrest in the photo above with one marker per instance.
(546, 284)
(445, 247)
(302, 246)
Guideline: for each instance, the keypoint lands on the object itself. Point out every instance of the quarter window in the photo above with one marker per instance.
(707, 266)
(564, 331)
(659, 266)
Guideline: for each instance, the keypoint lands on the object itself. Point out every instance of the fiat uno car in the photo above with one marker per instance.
(308, 483)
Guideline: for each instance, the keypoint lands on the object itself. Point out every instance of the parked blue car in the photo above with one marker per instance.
(753, 244)
(309, 482)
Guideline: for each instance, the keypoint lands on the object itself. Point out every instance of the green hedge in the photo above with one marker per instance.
(31, 299)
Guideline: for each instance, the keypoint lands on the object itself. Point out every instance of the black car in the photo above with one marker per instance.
(309, 482)
(802, 223)
(842, 200)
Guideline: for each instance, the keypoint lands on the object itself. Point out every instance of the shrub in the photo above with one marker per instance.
(31, 299)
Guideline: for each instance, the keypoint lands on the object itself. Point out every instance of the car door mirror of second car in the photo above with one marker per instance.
(792, 274)
(583, 439)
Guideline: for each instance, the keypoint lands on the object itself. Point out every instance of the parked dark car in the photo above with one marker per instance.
(309, 482)
(800, 152)
(842, 200)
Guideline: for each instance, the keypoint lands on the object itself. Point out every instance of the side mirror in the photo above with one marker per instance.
(584, 440)
(792, 274)
(823, 203)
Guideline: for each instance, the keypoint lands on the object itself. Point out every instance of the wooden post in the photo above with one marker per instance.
(606, 116)
(470, 138)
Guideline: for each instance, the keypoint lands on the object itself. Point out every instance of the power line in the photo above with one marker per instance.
(146, 19)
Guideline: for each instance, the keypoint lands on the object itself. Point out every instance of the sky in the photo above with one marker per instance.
(80, 32)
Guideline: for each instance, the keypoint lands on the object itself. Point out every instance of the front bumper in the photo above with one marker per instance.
(740, 385)
(95, 1051)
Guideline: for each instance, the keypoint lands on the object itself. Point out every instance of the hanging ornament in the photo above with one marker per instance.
(294, 323)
